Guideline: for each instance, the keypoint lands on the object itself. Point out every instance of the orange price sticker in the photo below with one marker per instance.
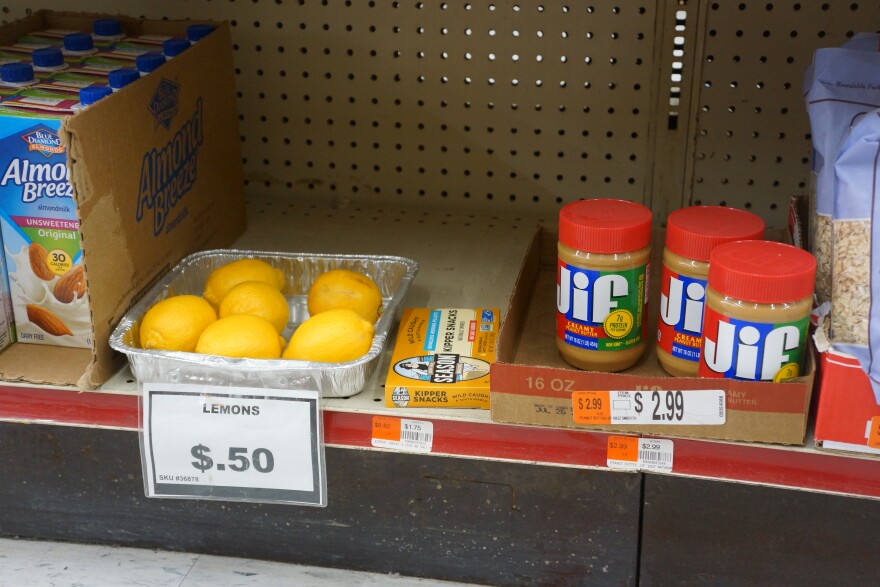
(386, 428)
(591, 407)
(623, 448)
(874, 434)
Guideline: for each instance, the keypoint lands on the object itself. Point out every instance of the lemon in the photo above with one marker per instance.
(175, 323)
(259, 299)
(241, 336)
(334, 336)
(341, 288)
(224, 278)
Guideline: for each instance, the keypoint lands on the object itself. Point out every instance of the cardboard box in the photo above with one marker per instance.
(532, 384)
(441, 358)
(847, 411)
(156, 175)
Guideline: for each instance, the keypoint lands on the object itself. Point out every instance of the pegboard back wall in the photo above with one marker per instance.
(521, 106)
(751, 145)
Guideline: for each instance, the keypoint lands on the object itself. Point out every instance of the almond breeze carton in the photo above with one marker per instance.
(40, 231)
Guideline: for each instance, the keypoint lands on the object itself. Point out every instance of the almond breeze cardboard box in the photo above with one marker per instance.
(144, 177)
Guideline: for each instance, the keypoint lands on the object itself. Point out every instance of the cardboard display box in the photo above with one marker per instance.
(156, 174)
(532, 384)
(847, 411)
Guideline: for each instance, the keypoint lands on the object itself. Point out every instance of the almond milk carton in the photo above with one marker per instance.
(40, 232)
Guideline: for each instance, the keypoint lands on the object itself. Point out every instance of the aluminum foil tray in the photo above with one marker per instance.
(393, 275)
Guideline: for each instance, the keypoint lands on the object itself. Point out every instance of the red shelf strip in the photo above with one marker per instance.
(793, 468)
(68, 407)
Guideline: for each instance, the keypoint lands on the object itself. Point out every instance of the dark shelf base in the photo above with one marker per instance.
(444, 518)
(698, 532)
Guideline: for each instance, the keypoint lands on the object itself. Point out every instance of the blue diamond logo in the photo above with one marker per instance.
(164, 104)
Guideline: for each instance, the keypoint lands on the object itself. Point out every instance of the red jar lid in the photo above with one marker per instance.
(762, 272)
(605, 226)
(693, 232)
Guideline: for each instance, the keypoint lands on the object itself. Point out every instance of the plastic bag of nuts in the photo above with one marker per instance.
(855, 173)
(839, 89)
(855, 319)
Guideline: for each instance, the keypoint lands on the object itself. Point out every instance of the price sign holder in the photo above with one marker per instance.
(402, 434)
(232, 444)
(693, 407)
(631, 453)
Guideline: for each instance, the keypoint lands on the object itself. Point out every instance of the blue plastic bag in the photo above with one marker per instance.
(857, 205)
(842, 84)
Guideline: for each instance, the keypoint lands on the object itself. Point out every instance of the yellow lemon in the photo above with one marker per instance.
(342, 288)
(259, 299)
(224, 278)
(175, 323)
(241, 336)
(334, 336)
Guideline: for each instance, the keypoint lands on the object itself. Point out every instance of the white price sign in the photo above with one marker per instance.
(402, 434)
(233, 443)
(629, 453)
(694, 407)
(656, 454)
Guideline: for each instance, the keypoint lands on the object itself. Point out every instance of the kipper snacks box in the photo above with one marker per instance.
(442, 357)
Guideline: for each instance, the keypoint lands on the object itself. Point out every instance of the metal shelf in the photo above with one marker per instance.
(471, 434)
(464, 261)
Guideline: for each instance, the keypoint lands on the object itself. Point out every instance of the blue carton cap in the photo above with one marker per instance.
(78, 42)
(48, 57)
(107, 27)
(92, 94)
(195, 32)
(16, 73)
(148, 62)
(119, 78)
(174, 47)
